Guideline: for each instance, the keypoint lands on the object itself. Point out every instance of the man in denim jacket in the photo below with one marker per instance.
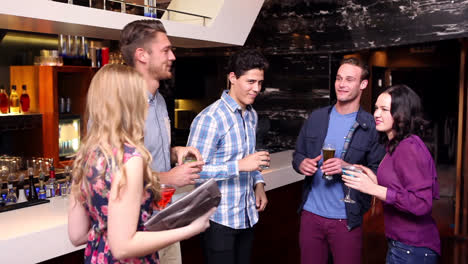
(328, 223)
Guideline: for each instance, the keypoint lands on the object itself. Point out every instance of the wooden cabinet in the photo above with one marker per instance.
(46, 84)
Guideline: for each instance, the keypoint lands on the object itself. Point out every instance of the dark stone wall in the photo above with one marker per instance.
(304, 41)
(295, 85)
(323, 26)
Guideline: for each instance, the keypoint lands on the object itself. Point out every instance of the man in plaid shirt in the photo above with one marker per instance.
(224, 133)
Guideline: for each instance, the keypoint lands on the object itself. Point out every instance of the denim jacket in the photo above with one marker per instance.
(364, 149)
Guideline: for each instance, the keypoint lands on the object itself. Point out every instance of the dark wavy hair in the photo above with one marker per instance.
(245, 60)
(407, 113)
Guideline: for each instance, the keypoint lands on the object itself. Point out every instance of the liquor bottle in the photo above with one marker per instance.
(76, 47)
(68, 105)
(42, 192)
(24, 100)
(69, 47)
(51, 184)
(84, 48)
(4, 101)
(58, 190)
(20, 188)
(62, 46)
(14, 101)
(32, 195)
(2, 201)
(11, 197)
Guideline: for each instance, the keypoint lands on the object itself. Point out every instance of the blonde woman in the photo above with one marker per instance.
(113, 187)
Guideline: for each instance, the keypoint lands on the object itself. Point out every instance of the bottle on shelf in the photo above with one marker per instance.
(84, 48)
(24, 100)
(62, 47)
(42, 192)
(14, 101)
(32, 195)
(2, 200)
(61, 105)
(75, 47)
(68, 105)
(21, 191)
(69, 43)
(51, 184)
(11, 197)
(4, 101)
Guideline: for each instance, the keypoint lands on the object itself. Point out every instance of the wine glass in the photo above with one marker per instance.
(328, 151)
(167, 191)
(347, 198)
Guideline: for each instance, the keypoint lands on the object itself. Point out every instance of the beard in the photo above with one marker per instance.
(160, 72)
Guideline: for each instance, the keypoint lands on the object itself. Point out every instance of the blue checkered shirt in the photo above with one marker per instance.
(223, 136)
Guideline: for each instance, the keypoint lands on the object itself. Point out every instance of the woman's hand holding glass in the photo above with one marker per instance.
(363, 181)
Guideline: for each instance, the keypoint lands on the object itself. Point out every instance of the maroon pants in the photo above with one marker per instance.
(319, 235)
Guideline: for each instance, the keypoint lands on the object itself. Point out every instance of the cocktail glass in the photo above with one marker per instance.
(167, 191)
(347, 198)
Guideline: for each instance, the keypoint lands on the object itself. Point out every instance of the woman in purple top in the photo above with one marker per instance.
(406, 180)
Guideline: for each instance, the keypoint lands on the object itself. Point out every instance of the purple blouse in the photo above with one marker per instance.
(411, 180)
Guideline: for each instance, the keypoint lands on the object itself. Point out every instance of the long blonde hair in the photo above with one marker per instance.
(116, 108)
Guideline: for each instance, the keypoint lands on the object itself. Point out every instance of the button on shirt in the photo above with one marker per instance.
(157, 133)
(224, 135)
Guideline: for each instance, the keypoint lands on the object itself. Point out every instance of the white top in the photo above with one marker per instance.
(39, 233)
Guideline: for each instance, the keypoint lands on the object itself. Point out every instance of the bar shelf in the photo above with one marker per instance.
(16, 122)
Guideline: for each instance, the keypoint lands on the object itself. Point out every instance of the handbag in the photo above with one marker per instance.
(188, 208)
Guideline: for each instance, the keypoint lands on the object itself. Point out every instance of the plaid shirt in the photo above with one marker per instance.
(223, 136)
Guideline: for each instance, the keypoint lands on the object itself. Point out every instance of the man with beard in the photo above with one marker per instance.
(145, 46)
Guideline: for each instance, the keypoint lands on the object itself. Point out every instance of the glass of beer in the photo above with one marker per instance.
(328, 151)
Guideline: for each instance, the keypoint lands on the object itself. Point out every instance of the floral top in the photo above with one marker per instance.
(97, 250)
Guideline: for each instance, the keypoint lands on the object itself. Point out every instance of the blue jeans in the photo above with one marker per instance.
(399, 253)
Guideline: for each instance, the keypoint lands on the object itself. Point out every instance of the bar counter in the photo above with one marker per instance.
(39, 233)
